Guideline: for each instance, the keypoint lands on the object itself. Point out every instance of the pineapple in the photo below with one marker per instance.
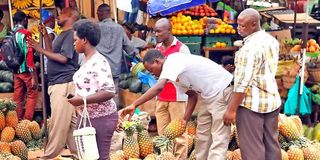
(7, 135)
(310, 153)
(284, 155)
(2, 121)
(12, 119)
(298, 123)
(192, 155)
(151, 157)
(281, 138)
(163, 144)
(190, 143)
(144, 141)
(229, 155)
(294, 153)
(35, 130)
(236, 155)
(130, 144)
(23, 132)
(317, 146)
(175, 129)
(18, 148)
(236, 136)
(288, 129)
(191, 127)
(118, 155)
(166, 156)
(5, 147)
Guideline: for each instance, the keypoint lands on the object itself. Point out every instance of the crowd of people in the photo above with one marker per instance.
(246, 94)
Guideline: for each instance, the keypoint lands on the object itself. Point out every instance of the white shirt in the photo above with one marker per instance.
(192, 72)
(45, 59)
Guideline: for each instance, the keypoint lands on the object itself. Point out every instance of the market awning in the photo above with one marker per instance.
(165, 7)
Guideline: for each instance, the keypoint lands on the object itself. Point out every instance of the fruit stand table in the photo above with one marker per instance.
(227, 49)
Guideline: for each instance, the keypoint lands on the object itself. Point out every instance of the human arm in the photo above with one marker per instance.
(127, 46)
(191, 104)
(49, 54)
(48, 38)
(94, 98)
(152, 92)
(244, 74)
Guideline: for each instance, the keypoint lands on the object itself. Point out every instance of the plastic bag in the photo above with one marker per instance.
(147, 78)
(156, 6)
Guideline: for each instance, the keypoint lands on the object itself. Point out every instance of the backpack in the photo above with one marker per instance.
(11, 53)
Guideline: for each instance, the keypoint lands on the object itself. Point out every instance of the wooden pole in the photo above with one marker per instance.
(10, 15)
(44, 107)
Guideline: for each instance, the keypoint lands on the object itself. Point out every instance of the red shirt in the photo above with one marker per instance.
(169, 92)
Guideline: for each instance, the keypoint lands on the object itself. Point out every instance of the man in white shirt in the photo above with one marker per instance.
(195, 75)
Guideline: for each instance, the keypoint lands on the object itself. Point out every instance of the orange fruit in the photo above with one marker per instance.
(201, 31)
(217, 30)
(223, 31)
(188, 27)
(184, 32)
(228, 31)
(174, 31)
(218, 44)
(196, 31)
(230, 27)
(223, 45)
(211, 31)
(179, 32)
(182, 27)
(233, 31)
(180, 14)
(190, 31)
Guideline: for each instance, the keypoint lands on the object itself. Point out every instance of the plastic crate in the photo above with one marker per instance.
(190, 39)
(211, 40)
(195, 48)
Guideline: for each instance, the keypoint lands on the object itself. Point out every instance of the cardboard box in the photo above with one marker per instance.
(126, 98)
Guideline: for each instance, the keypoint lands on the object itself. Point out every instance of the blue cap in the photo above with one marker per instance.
(45, 15)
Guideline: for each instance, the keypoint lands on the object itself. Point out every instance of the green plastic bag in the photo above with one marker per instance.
(305, 107)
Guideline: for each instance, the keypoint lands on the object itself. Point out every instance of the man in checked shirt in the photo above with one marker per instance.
(255, 100)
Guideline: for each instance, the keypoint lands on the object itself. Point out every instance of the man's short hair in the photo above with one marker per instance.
(151, 55)
(104, 7)
(89, 30)
(19, 17)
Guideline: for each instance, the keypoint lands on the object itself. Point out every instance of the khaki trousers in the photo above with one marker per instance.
(62, 122)
(212, 137)
(167, 111)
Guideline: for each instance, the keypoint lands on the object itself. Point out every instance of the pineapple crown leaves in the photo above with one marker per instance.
(129, 127)
(163, 142)
(139, 127)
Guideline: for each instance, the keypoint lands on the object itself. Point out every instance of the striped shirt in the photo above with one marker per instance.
(256, 66)
(22, 36)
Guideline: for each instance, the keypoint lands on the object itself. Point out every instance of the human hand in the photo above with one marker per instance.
(229, 117)
(36, 46)
(229, 68)
(125, 111)
(119, 126)
(76, 100)
(42, 29)
(34, 83)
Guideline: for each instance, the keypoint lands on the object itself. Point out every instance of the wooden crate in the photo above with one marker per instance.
(10, 96)
(126, 98)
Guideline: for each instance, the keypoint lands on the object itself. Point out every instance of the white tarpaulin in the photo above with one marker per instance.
(124, 5)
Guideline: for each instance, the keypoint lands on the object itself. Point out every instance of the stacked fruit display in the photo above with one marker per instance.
(185, 25)
(202, 10)
(294, 146)
(143, 146)
(220, 45)
(312, 45)
(217, 26)
(24, 6)
(17, 136)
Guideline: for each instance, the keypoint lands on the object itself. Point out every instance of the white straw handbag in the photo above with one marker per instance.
(85, 137)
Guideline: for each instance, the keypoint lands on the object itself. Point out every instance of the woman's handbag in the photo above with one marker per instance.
(85, 137)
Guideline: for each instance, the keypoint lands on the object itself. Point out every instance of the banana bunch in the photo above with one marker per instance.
(34, 14)
(21, 4)
(57, 28)
(26, 11)
(35, 33)
(47, 3)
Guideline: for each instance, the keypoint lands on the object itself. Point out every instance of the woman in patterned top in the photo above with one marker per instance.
(94, 81)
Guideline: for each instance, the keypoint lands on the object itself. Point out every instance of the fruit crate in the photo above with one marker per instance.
(189, 39)
(209, 41)
(195, 48)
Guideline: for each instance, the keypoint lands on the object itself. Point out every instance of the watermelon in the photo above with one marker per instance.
(6, 76)
(123, 84)
(6, 87)
(3, 66)
(144, 88)
(135, 85)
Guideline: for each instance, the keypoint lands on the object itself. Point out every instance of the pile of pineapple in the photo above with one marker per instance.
(138, 144)
(16, 136)
(294, 146)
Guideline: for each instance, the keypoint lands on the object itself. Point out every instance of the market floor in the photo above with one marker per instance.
(34, 155)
